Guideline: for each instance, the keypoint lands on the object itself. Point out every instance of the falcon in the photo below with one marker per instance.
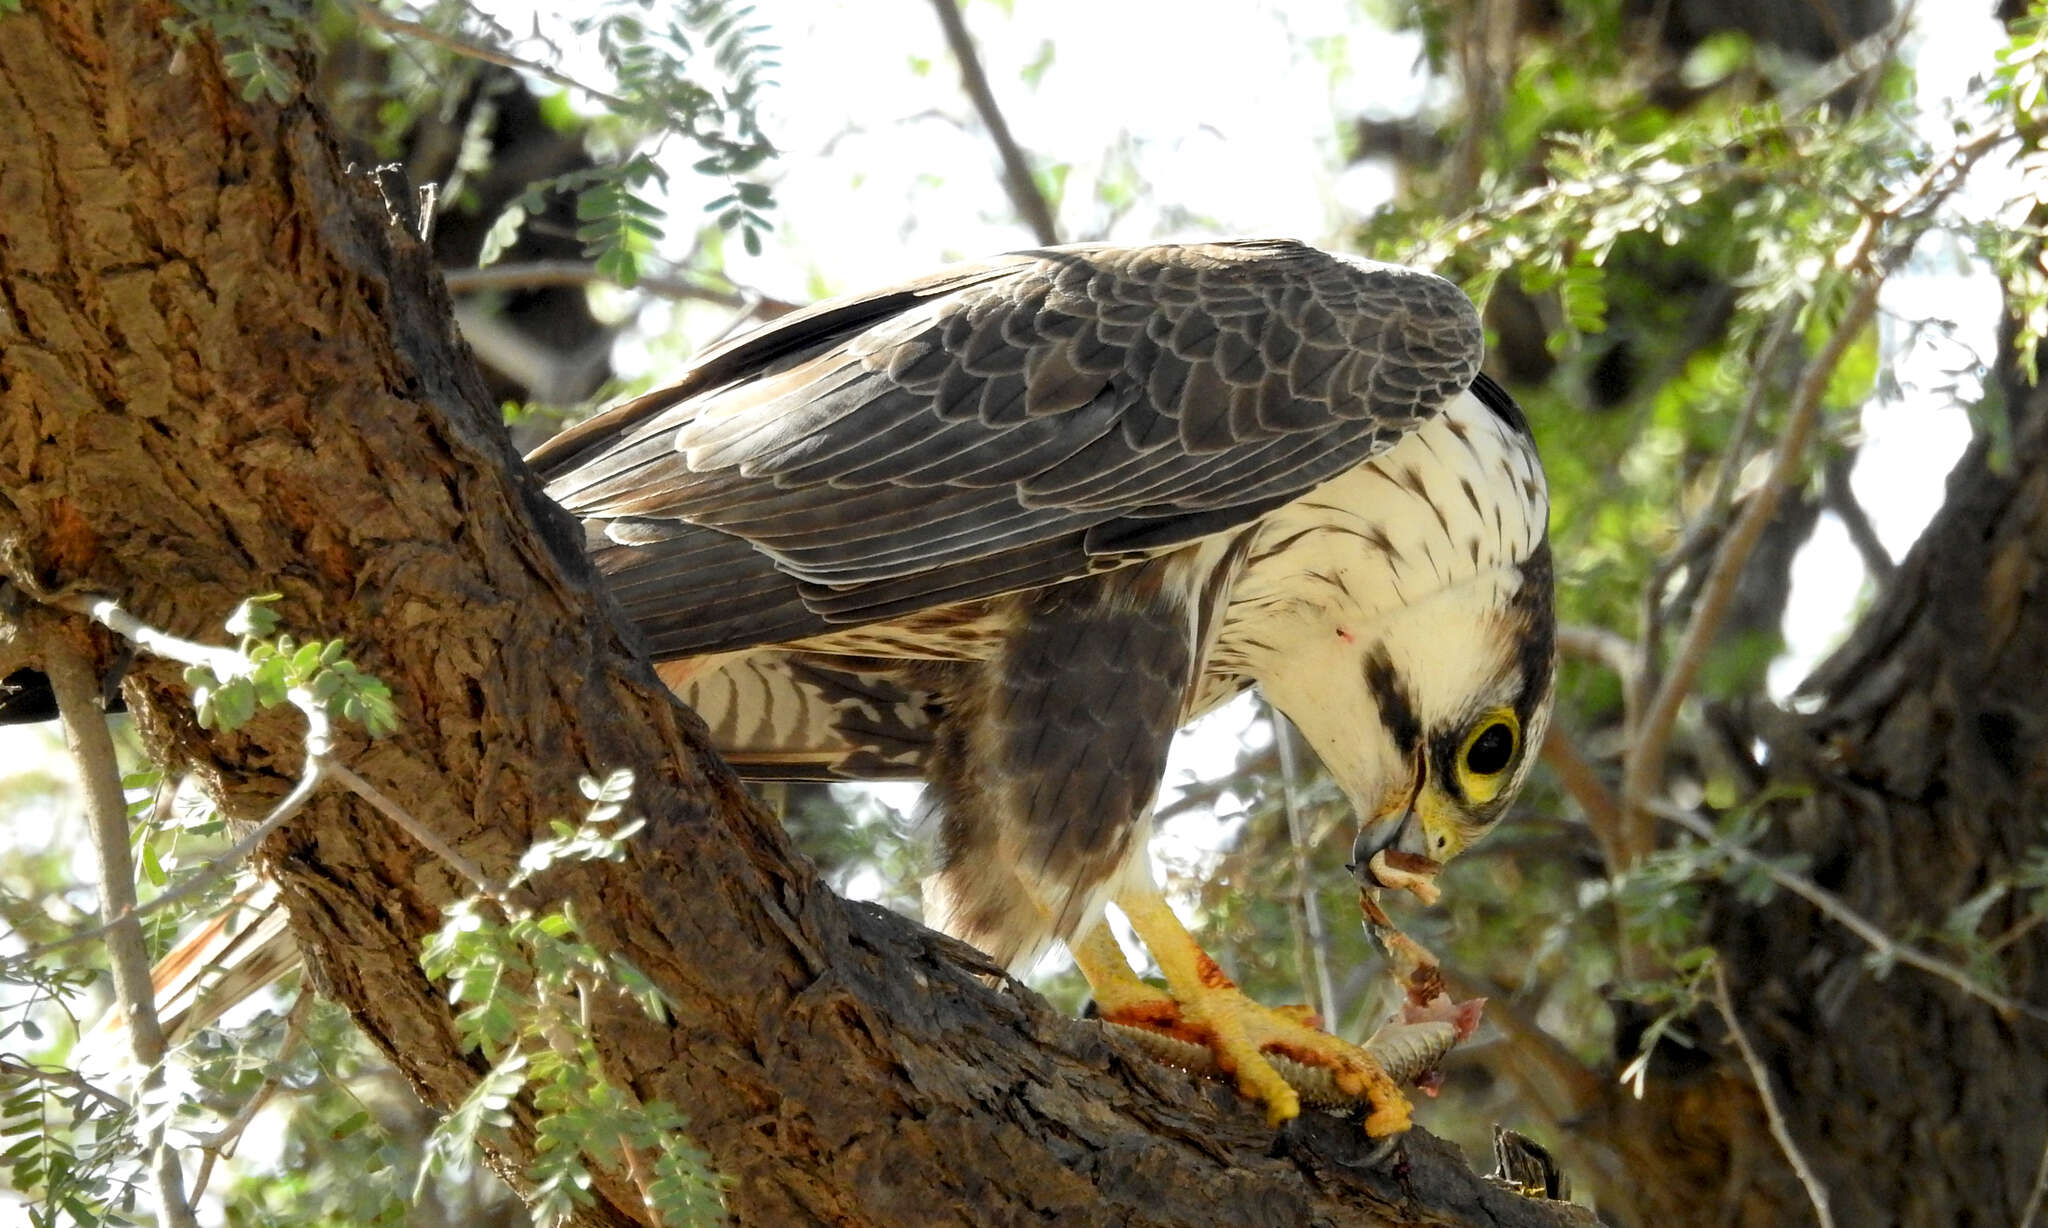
(1007, 527)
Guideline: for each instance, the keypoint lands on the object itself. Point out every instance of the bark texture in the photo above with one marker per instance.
(1928, 765)
(1920, 780)
(225, 369)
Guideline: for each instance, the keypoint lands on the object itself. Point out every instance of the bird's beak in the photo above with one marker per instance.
(1405, 845)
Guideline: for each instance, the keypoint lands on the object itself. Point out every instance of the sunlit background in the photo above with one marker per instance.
(1170, 120)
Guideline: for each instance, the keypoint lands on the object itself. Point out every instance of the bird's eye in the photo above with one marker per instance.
(1491, 750)
(1488, 753)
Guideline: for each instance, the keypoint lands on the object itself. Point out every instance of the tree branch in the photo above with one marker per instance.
(533, 274)
(65, 1078)
(1888, 949)
(85, 731)
(1870, 256)
(1583, 784)
(1643, 766)
(1311, 944)
(371, 15)
(1029, 202)
(1840, 499)
(1759, 1075)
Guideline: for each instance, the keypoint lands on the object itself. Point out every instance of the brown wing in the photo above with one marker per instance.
(998, 427)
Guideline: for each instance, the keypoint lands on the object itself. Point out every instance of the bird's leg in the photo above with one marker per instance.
(1120, 996)
(1202, 1004)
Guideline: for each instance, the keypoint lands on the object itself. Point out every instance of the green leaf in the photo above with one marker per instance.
(254, 617)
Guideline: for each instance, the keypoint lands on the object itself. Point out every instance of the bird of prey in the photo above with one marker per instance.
(1006, 527)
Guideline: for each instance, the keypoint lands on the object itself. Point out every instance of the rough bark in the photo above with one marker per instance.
(1920, 780)
(1928, 764)
(226, 368)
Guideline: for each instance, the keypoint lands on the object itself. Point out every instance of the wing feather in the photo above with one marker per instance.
(1004, 425)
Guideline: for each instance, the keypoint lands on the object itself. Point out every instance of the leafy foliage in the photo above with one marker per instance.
(525, 980)
(692, 73)
(259, 40)
(273, 670)
(1668, 233)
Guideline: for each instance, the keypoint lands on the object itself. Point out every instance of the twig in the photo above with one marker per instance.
(531, 274)
(419, 831)
(1017, 180)
(319, 765)
(1311, 943)
(1837, 496)
(370, 15)
(220, 1145)
(1868, 255)
(2040, 1191)
(1832, 907)
(1691, 543)
(1612, 649)
(1733, 456)
(85, 732)
(64, 1078)
(1816, 1193)
(103, 610)
(1583, 783)
(221, 865)
(1644, 763)
(319, 740)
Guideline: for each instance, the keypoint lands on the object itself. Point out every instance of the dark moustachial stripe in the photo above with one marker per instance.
(1533, 623)
(1396, 705)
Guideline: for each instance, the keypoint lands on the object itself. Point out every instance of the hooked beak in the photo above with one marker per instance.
(1393, 848)
(1400, 832)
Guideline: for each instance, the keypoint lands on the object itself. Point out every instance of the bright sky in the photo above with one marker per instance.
(1913, 439)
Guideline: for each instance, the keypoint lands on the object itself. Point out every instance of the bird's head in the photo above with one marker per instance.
(1430, 716)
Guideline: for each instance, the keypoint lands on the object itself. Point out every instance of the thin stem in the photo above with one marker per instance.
(226, 663)
(1310, 941)
(99, 770)
(1029, 202)
(102, 610)
(1840, 499)
(1781, 1130)
(525, 275)
(1832, 907)
(64, 1078)
(221, 1144)
(215, 870)
(1871, 257)
(371, 15)
(1644, 764)
(1583, 784)
(2040, 1191)
(419, 831)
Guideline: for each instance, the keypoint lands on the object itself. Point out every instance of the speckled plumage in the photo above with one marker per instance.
(1007, 527)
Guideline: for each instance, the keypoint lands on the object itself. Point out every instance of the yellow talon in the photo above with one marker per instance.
(1203, 1006)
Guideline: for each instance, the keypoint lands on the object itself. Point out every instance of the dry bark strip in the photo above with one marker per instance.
(226, 369)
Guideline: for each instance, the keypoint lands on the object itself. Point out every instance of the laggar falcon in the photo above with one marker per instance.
(1007, 527)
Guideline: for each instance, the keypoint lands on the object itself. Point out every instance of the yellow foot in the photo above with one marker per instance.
(1205, 1008)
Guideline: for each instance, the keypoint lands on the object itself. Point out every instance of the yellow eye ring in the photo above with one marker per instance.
(1491, 747)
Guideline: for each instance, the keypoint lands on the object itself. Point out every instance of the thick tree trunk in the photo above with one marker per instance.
(1921, 780)
(1928, 771)
(225, 369)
